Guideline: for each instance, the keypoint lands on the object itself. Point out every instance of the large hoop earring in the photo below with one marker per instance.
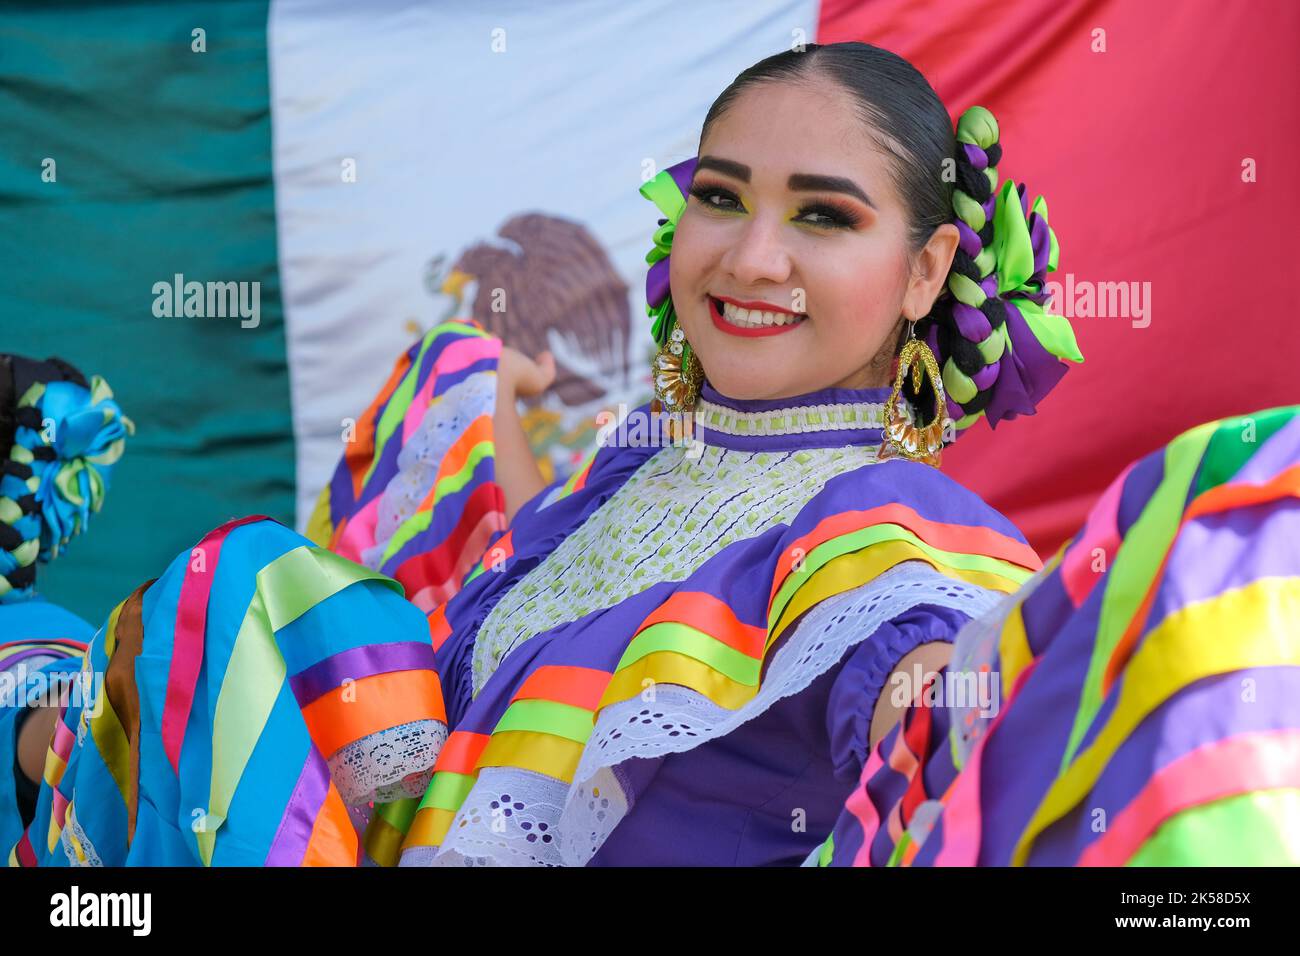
(678, 375)
(904, 438)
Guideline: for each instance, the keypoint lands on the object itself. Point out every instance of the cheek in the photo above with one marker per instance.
(682, 261)
(688, 270)
(864, 288)
(692, 252)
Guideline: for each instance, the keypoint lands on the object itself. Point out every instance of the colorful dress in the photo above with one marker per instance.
(725, 610)
(44, 644)
(1149, 711)
(672, 657)
(688, 643)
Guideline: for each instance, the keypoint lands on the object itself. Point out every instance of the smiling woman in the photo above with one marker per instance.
(835, 273)
(688, 653)
(832, 197)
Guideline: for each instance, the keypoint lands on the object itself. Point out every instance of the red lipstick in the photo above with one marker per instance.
(757, 332)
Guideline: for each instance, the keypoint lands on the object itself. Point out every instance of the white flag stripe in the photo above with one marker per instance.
(449, 139)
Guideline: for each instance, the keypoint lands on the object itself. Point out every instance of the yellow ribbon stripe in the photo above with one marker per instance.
(287, 588)
(856, 568)
(670, 667)
(1187, 646)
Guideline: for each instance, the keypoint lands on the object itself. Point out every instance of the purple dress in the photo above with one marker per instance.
(672, 657)
(763, 794)
(564, 752)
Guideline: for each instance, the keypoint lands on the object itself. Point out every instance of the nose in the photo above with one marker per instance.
(758, 256)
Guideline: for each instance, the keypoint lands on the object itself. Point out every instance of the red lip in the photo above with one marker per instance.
(730, 329)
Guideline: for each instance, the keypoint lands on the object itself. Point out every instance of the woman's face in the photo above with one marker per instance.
(793, 212)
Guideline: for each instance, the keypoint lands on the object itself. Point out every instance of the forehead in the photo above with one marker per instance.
(809, 126)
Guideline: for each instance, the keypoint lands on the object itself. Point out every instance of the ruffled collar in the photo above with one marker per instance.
(826, 418)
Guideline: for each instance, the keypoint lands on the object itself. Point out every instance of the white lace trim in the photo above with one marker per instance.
(378, 766)
(582, 815)
(678, 719)
(508, 819)
(71, 828)
(444, 421)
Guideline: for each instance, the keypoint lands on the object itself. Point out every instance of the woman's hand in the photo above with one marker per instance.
(521, 377)
(518, 376)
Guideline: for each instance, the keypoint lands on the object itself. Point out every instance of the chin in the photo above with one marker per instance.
(737, 377)
(749, 386)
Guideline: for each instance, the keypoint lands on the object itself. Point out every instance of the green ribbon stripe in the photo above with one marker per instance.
(692, 642)
(547, 717)
(827, 851)
(287, 588)
(1135, 567)
(1242, 830)
(1229, 450)
(875, 534)
(398, 813)
(448, 485)
(447, 790)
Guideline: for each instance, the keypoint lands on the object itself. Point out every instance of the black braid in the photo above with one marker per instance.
(964, 353)
(17, 375)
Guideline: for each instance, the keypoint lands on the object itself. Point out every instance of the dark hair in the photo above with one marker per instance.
(18, 374)
(895, 99)
(8, 424)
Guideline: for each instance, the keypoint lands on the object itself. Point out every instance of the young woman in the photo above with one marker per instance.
(688, 652)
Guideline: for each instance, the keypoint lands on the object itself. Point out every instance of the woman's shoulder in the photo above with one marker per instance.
(37, 619)
(898, 485)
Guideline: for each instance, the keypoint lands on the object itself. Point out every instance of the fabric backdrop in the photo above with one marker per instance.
(375, 167)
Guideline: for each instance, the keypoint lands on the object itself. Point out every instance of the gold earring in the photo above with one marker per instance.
(903, 437)
(678, 375)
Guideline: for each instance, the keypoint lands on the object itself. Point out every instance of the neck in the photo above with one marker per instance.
(826, 418)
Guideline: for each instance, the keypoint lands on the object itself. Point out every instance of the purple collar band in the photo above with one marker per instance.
(827, 418)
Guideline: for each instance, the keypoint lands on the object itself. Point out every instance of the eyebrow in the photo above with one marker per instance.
(798, 182)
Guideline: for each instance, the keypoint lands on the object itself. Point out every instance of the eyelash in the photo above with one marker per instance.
(841, 218)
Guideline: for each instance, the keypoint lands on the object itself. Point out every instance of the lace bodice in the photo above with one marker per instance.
(752, 466)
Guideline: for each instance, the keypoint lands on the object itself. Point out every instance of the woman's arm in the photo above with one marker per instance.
(931, 657)
(516, 469)
(34, 741)
(881, 677)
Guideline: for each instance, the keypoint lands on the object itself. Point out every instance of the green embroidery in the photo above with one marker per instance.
(655, 529)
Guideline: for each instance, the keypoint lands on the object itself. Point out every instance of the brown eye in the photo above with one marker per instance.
(829, 217)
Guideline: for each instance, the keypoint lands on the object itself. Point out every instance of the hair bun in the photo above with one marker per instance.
(68, 438)
(998, 347)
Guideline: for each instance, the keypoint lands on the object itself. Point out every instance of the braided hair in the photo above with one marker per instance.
(967, 326)
(62, 437)
(996, 345)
